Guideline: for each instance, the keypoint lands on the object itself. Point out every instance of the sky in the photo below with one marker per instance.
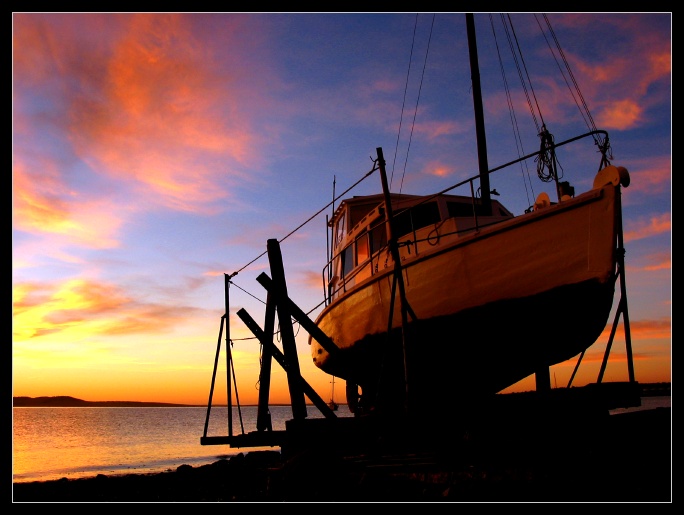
(154, 153)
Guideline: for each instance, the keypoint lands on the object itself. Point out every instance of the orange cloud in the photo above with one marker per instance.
(641, 330)
(435, 129)
(635, 76)
(313, 280)
(163, 108)
(144, 101)
(43, 204)
(78, 308)
(438, 169)
(650, 177)
(660, 261)
(34, 209)
(643, 229)
(622, 114)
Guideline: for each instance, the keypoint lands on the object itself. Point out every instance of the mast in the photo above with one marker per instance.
(479, 117)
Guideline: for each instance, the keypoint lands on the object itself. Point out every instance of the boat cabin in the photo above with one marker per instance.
(359, 232)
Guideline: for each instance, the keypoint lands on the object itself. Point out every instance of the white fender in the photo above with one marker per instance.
(542, 201)
(612, 175)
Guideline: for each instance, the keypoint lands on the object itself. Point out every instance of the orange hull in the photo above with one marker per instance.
(490, 307)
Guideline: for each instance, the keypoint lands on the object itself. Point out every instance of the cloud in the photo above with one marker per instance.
(148, 104)
(76, 308)
(659, 261)
(642, 330)
(645, 228)
(649, 177)
(621, 114)
(625, 77)
(162, 116)
(42, 203)
(438, 169)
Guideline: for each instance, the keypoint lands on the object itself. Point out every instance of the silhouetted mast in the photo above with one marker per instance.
(479, 117)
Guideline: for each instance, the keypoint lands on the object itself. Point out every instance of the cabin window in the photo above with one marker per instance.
(339, 229)
(378, 237)
(460, 209)
(347, 260)
(415, 218)
(465, 209)
(362, 252)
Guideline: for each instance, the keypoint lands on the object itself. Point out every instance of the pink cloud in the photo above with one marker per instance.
(145, 100)
(622, 114)
(642, 330)
(650, 177)
(660, 261)
(651, 227)
(89, 306)
(42, 203)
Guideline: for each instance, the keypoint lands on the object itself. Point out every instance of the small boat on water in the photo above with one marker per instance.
(433, 300)
(331, 403)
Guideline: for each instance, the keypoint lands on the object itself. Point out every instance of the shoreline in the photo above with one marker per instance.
(630, 462)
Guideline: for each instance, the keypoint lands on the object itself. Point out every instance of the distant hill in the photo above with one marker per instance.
(62, 401)
(647, 390)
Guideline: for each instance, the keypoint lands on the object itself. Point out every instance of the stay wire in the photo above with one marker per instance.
(523, 82)
(524, 170)
(415, 112)
(546, 160)
(364, 177)
(368, 174)
(403, 104)
(588, 119)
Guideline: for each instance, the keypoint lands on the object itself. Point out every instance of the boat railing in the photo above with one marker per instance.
(334, 285)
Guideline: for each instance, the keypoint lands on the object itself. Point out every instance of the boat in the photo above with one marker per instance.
(331, 403)
(437, 300)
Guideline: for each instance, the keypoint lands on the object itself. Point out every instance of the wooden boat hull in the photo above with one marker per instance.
(490, 308)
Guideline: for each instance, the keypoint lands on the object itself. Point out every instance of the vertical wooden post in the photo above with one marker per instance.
(623, 286)
(543, 379)
(479, 117)
(398, 278)
(229, 357)
(263, 414)
(213, 376)
(286, 332)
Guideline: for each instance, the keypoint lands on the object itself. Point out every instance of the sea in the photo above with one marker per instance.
(54, 443)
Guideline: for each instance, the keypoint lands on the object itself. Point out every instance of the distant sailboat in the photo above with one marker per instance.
(332, 404)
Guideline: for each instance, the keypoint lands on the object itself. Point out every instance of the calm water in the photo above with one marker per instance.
(51, 443)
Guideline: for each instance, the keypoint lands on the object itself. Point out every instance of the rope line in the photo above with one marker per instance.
(403, 104)
(415, 112)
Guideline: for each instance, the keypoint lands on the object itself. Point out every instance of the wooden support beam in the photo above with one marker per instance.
(266, 341)
(264, 422)
(301, 317)
(286, 331)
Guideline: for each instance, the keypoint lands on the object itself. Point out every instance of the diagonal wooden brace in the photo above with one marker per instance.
(267, 342)
(301, 317)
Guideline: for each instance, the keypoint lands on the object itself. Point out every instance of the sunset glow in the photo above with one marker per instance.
(154, 153)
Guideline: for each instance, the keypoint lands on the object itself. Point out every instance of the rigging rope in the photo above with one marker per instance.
(415, 112)
(514, 121)
(547, 159)
(523, 82)
(603, 144)
(365, 176)
(368, 174)
(403, 104)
